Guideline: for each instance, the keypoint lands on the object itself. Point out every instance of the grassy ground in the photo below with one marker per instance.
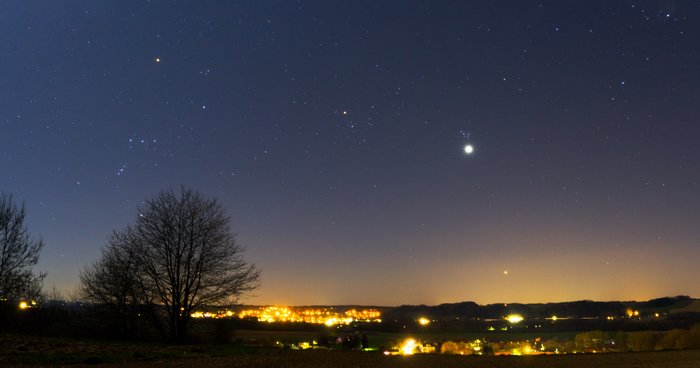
(18, 350)
(33, 350)
(339, 359)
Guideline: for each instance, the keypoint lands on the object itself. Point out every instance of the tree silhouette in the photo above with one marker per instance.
(182, 255)
(112, 282)
(18, 254)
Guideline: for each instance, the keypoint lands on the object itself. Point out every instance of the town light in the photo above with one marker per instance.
(283, 314)
(408, 347)
(514, 318)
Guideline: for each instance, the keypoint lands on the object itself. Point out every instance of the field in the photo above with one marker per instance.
(49, 352)
(378, 339)
(311, 359)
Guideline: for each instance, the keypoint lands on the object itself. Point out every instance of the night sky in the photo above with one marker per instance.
(334, 133)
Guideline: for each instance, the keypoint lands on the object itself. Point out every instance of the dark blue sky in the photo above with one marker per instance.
(334, 133)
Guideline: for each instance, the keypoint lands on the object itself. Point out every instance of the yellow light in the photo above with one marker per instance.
(423, 321)
(23, 305)
(408, 347)
(656, 315)
(514, 318)
(275, 314)
(554, 318)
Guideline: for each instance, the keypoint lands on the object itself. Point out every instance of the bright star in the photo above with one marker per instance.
(469, 149)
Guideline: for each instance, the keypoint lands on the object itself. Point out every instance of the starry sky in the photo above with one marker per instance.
(334, 133)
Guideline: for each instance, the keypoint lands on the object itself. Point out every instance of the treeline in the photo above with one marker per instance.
(584, 342)
(621, 341)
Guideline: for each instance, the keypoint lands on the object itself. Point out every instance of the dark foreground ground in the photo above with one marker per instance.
(339, 359)
(357, 359)
(21, 351)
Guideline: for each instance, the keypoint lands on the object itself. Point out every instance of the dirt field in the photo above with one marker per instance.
(313, 359)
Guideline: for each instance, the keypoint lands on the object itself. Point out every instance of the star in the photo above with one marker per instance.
(468, 149)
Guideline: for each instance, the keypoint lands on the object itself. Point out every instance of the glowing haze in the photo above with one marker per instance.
(338, 135)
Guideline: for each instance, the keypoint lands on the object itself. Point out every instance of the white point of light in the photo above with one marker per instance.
(469, 149)
(157, 60)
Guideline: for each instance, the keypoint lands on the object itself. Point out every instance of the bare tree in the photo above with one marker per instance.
(18, 254)
(112, 281)
(180, 255)
(188, 258)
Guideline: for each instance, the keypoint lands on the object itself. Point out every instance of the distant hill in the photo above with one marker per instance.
(692, 307)
(575, 309)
